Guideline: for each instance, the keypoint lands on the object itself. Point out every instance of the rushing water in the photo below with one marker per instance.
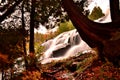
(63, 46)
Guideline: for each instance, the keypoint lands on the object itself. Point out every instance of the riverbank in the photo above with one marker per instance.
(81, 67)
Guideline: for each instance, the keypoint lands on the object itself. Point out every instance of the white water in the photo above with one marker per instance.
(64, 46)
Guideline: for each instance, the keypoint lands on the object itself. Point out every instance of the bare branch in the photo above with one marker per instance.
(10, 10)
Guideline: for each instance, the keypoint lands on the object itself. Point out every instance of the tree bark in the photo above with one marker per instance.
(24, 34)
(2, 74)
(32, 25)
(95, 34)
(32, 65)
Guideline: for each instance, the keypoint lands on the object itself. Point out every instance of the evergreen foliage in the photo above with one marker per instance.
(96, 13)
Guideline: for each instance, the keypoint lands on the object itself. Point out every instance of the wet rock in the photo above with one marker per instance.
(64, 45)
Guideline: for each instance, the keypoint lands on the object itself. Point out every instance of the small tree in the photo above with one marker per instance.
(96, 13)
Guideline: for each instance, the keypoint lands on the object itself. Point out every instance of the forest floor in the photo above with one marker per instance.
(81, 67)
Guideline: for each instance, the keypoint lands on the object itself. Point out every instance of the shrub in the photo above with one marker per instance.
(66, 26)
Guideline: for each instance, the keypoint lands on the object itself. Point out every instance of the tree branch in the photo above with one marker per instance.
(10, 10)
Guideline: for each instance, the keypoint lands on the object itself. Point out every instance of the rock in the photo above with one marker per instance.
(63, 46)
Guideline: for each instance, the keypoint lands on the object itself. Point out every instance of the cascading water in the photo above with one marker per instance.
(63, 46)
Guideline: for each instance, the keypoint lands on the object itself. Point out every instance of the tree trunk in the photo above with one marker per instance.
(114, 9)
(95, 34)
(32, 25)
(32, 64)
(2, 74)
(24, 34)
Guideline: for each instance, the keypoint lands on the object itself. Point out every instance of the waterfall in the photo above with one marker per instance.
(63, 46)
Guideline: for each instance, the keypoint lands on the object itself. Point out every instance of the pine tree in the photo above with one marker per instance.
(96, 13)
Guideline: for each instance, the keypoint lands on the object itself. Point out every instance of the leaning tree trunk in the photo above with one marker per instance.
(96, 34)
